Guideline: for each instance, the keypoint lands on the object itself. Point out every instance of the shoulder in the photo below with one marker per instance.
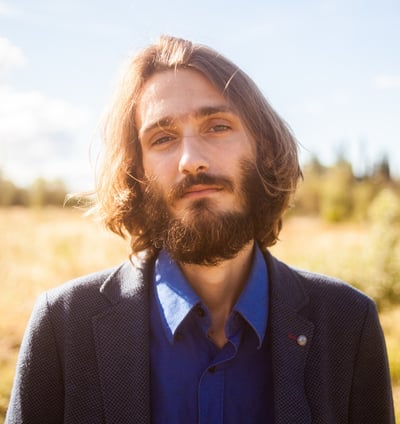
(75, 299)
(327, 285)
(91, 293)
(87, 286)
(340, 314)
(317, 293)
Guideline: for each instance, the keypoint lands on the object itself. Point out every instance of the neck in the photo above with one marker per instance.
(219, 287)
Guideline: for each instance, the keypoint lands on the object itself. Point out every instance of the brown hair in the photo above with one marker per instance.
(119, 190)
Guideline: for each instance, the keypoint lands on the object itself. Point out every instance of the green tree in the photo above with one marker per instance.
(384, 215)
(44, 192)
(10, 194)
(336, 192)
(308, 197)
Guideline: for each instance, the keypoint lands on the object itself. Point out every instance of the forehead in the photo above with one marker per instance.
(176, 94)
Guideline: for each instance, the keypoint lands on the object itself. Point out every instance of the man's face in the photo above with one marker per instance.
(186, 128)
(197, 158)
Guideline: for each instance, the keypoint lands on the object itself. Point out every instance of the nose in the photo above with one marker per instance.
(193, 158)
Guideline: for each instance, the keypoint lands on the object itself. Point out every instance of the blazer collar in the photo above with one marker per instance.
(286, 285)
(122, 340)
(128, 280)
(291, 337)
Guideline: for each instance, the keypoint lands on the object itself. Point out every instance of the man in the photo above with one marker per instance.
(203, 325)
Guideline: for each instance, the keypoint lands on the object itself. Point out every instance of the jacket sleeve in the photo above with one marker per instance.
(37, 394)
(371, 399)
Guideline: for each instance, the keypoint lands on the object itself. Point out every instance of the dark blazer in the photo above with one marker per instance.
(85, 356)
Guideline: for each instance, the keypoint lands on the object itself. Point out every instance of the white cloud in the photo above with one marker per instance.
(11, 56)
(387, 81)
(41, 136)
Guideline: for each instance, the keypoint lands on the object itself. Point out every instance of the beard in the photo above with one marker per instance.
(204, 235)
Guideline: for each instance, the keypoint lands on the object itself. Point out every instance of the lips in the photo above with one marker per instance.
(200, 190)
(199, 185)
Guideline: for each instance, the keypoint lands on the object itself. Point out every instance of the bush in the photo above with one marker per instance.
(336, 194)
(384, 216)
(41, 193)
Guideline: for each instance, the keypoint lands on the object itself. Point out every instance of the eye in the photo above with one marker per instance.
(162, 139)
(218, 124)
(220, 128)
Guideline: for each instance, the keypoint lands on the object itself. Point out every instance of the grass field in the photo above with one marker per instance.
(41, 249)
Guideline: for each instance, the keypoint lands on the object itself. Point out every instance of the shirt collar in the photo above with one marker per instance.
(175, 297)
(253, 301)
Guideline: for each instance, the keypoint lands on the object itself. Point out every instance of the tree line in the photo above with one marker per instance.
(40, 193)
(334, 192)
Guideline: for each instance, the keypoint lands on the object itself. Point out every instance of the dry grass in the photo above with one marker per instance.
(333, 249)
(43, 248)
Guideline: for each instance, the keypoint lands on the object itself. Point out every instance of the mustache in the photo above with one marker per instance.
(178, 190)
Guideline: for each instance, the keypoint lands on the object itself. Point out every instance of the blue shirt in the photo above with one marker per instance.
(194, 381)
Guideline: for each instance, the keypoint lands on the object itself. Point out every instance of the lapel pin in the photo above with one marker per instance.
(301, 340)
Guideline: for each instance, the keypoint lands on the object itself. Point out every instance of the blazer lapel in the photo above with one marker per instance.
(122, 347)
(291, 336)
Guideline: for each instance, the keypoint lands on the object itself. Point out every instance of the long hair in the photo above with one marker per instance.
(119, 189)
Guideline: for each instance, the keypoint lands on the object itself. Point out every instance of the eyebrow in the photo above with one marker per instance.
(199, 113)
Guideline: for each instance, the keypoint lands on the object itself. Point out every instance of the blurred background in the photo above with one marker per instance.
(331, 68)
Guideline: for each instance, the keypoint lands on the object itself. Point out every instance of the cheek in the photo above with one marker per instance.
(146, 171)
(159, 175)
(244, 147)
(150, 168)
(249, 147)
(163, 169)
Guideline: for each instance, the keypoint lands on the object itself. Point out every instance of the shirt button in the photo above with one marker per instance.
(200, 312)
(212, 369)
(301, 340)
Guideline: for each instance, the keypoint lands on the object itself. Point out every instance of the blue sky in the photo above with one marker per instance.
(331, 68)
